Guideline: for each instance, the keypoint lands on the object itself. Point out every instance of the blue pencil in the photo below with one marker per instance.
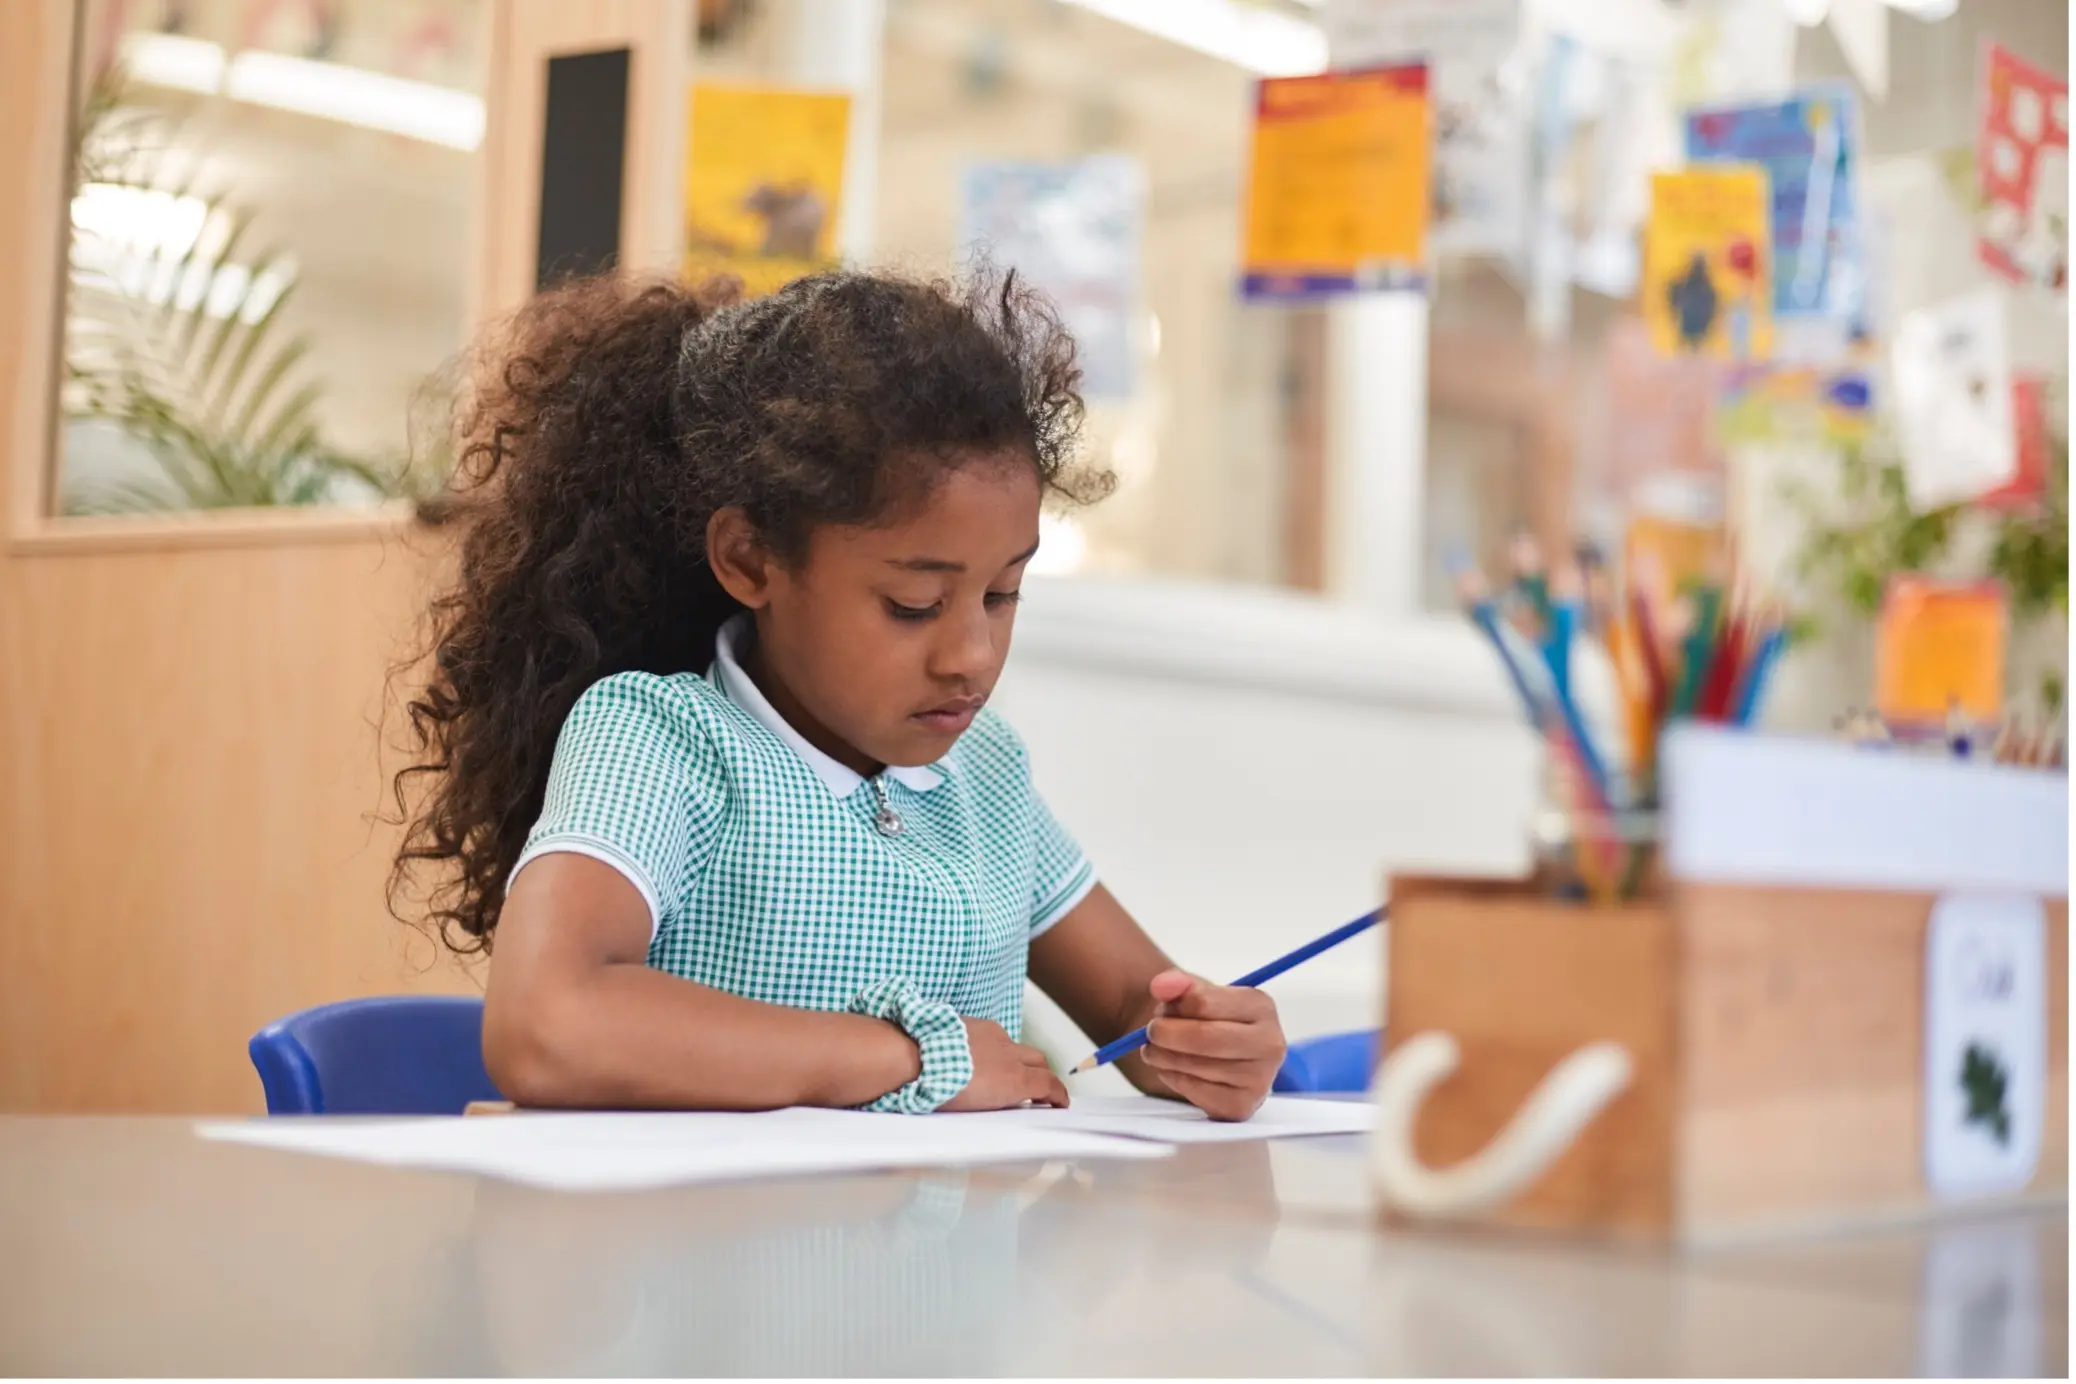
(1564, 623)
(1486, 616)
(1484, 613)
(1755, 676)
(1136, 1039)
(1575, 727)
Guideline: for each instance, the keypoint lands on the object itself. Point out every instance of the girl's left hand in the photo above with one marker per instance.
(1216, 1047)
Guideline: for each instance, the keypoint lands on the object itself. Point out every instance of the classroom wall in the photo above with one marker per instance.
(189, 768)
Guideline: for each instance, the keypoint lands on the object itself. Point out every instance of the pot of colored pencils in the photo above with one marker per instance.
(1708, 656)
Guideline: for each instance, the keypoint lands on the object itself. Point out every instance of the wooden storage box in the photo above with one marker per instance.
(1770, 994)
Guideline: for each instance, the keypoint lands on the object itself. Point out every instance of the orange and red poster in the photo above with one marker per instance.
(1337, 186)
(2022, 165)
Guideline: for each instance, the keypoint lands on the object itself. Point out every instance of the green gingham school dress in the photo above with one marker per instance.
(773, 872)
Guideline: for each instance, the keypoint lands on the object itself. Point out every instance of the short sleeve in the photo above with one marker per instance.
(1064, 875)
(635, 784)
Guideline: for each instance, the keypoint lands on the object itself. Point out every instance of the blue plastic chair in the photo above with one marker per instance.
(1335, 1064)
(390, 1055)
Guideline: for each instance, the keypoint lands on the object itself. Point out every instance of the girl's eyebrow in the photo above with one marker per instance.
(945, 564)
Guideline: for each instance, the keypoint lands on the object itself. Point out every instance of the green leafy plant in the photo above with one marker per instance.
(2031, 552)
(187, 353)
(1872, 533)
(1853, 545)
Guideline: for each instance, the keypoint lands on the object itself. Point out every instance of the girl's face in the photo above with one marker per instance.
(884, 643)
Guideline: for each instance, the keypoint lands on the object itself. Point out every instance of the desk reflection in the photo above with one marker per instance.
(955, 1272)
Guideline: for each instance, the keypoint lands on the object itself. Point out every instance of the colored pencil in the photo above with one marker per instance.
(1575, 727)
(1754, 686)
(1647, 645)
(1484, 613)
(1636, 696)
(1567, 597)
(1595, 846)
(1526, 555)
(1137, 1039)
(1724, 664)
(1695, 649)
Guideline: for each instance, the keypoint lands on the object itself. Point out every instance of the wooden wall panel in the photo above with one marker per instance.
(187, 843)
(189, 761)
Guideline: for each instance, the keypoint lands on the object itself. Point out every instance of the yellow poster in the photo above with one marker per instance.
(1708, 264)
(1664, 557)
(1337, 186)
(1940, 645)
(763, 182)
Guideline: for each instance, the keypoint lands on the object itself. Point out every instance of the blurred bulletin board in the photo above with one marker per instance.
(1337, 189)
(1809, 146)
(763, 182)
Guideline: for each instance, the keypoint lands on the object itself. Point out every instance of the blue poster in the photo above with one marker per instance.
(1074, 229)
(1809, 147)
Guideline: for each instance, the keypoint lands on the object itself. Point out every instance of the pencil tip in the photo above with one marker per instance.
(1086, 1064)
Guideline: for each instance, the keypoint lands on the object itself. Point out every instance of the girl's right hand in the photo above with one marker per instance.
(1006, 1073)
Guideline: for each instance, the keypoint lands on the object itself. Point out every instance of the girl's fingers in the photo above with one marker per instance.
(1042, 1086)
(1203, 1000)
(1214, 1070)
(1219, 1102)
(1213, 1038)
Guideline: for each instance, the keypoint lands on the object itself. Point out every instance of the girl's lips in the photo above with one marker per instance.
(952, 717)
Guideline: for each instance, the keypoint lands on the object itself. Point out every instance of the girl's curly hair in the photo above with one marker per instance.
(601, 427)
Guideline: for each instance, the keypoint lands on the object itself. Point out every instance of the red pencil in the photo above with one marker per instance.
(1732, 646)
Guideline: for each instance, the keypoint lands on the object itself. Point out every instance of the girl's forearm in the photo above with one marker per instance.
(630, 1037)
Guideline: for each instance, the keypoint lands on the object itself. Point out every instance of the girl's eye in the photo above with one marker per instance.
(1004, 599)
(902, 612)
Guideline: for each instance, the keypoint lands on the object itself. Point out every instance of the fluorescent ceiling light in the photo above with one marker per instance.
(329, 91)
(357, 96)
(1262, 41)
(168, 60)
(1810, 13)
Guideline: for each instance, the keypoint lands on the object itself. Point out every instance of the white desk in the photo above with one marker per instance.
(130, 1247)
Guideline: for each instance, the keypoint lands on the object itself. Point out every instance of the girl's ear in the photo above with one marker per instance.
(741, 564)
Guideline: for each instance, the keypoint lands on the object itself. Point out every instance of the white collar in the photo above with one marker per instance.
(740, 688)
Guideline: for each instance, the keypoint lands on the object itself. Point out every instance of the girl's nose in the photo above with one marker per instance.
(966, 652)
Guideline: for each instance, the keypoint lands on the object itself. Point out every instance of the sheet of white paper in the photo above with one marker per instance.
(619, 1152)
(1143, 1117)
(1952, 371)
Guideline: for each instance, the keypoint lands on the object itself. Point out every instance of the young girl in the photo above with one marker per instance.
(707, 740)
